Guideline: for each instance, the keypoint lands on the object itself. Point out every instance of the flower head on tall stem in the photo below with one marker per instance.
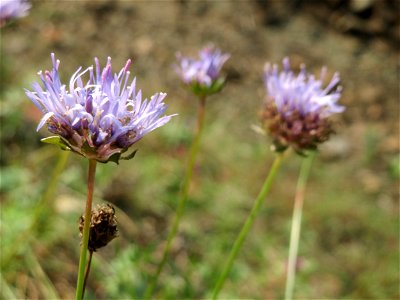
(203, 74)
(12, 9)
(99, 118)
(297, 107)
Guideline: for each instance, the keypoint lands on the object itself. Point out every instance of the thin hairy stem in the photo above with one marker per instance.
(182, 196)
(248, 224)
(296, 224)
(86, 229)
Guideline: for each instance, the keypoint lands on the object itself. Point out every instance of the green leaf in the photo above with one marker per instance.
(87, 149)
(114, 158)
(58, 141)
(130, 156)
(215, 87)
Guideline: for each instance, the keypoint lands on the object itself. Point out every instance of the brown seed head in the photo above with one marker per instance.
(103, 226)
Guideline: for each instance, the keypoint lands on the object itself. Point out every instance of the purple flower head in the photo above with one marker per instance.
(202, 74)
(99, 118)
(297, 106)
(11, 9)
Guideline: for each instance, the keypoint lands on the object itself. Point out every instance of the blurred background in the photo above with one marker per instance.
(349, 245)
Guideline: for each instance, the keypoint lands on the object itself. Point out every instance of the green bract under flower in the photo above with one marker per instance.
(100, 119)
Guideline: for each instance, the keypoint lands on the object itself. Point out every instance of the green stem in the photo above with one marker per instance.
(183, 195)
(296, 224)
(86, 229)
(247, 225)
(87, 271)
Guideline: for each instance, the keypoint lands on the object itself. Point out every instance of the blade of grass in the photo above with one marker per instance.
(5, 290)
(41, 278)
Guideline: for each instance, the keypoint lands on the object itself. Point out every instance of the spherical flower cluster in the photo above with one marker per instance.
(11, 9)
(297, 107)
(99, 119)
(203, 74)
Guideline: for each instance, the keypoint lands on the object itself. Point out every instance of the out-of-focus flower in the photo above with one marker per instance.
(203, 74)
(12, 9)
(297, 107)
(100, 119)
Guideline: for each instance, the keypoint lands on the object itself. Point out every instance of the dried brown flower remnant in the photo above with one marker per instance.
(103, 226)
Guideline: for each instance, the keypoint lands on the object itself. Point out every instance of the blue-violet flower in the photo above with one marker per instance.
(11, 9)
(203, 74)
(297, 107)
(99, 119)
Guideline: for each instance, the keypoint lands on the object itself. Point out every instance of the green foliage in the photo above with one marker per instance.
(58, 141)
(203, 91)
(125, 268)
(346, 235)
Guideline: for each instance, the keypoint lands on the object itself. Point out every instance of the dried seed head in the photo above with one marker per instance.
(103, 226)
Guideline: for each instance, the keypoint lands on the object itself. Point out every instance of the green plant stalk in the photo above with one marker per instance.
(86, 229)
(296, 224)
(247, 225)
(183, 196)
(87, 271)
